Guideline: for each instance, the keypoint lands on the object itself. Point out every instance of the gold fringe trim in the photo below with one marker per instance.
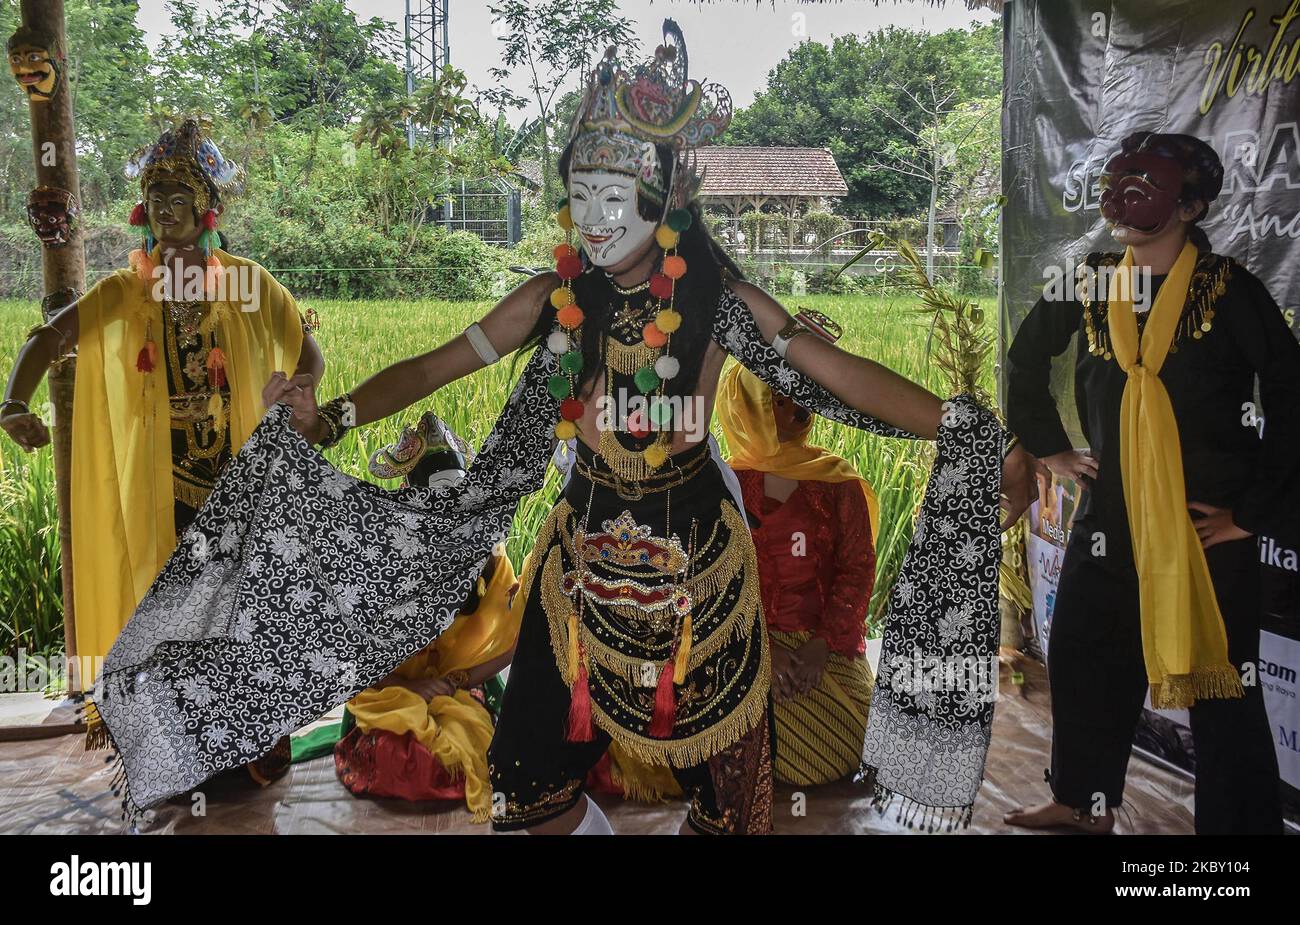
(189, 494)
(627, 359)
(629, 465)
(1178, 692)
(96, 732)
(699, 748)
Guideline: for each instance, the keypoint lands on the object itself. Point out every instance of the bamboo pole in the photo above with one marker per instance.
(54, 150)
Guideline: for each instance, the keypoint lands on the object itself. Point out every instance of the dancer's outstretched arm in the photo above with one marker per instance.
(408, 381)
(860, 383)
(847, 388)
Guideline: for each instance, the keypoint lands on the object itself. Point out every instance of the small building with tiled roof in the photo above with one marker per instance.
(786, 180)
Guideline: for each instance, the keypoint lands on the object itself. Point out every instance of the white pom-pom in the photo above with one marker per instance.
(558, 342)
(666, 367)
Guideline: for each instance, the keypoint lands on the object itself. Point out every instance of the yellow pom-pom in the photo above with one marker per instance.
(654, 455)
(668, 320)
(666, 237)
(562, 297)
(565, 430)
(564, 218)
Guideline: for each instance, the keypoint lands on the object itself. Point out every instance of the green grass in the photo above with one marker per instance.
(360, 338)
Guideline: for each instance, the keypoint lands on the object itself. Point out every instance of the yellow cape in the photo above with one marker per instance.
(744, 408)
(123, 526)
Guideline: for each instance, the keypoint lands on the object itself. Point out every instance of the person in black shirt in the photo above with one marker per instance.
(1238, 485)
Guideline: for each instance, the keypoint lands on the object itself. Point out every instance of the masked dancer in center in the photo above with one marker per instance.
(643, 622)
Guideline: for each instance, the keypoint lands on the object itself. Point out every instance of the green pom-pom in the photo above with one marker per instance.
(646, 379)
(559, 387)
(571, 362)
(679, 220)
(661, 412)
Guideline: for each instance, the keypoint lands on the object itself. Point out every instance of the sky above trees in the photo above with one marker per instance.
(735, 43)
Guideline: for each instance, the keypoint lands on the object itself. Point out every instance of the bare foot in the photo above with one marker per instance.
(1056, 815)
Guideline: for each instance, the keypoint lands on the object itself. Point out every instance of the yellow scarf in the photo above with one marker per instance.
(745, 412)
(1183, 640)
(123, 524)
(457, 729)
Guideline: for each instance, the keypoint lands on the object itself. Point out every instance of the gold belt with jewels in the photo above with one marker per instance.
(632, 490)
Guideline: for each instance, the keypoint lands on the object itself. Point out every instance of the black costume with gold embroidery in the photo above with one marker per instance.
(1231, 331)
(622, 558)
(200, 443)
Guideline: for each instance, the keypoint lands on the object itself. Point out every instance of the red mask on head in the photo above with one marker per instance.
(1140, 191)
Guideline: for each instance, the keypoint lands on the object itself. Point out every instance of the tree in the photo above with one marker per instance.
(553, 41)
(833, 95)
(925, 151)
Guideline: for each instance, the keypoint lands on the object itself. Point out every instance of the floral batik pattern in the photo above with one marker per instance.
(298, 586)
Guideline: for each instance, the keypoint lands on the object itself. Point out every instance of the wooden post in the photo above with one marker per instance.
(53, 146)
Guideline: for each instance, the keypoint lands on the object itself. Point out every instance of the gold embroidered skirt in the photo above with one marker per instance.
(671, 574)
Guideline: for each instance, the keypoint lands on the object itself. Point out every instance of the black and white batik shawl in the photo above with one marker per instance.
(298, 586)
(931, 714)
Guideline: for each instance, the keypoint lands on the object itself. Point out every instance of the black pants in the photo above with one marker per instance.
(1099, 685)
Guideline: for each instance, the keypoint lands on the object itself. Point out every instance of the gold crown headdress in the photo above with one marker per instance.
(623, 116)
(185, 155)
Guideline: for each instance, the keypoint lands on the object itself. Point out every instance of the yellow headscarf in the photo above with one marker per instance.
(744, 409)
(1184, 643)
(123, 523)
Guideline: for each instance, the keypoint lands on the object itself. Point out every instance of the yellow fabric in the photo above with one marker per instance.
(645, 783)
(744, 409)
(819, 734)
(123, 526)
(456, 730)
(1184, 643)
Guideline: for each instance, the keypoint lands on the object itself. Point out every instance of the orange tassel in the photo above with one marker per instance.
(216, 368)
(212, 276)
(140, 261)
(580, 708)
(665, 714)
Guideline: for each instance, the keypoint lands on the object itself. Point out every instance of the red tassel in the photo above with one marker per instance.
(665, 714)
(216, 368)
(138, 217)
(580, 707)
(147, 358)
(210, 220)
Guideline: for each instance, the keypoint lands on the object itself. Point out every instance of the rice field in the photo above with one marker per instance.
(360, 338)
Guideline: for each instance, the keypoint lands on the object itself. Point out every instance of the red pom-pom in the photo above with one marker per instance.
(571, 409)
(637, 424)
(138, 216)
(210, 219)
(569, 267)
(661, 287)
(565, 250)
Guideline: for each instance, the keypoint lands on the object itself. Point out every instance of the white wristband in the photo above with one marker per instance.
(482, 346)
